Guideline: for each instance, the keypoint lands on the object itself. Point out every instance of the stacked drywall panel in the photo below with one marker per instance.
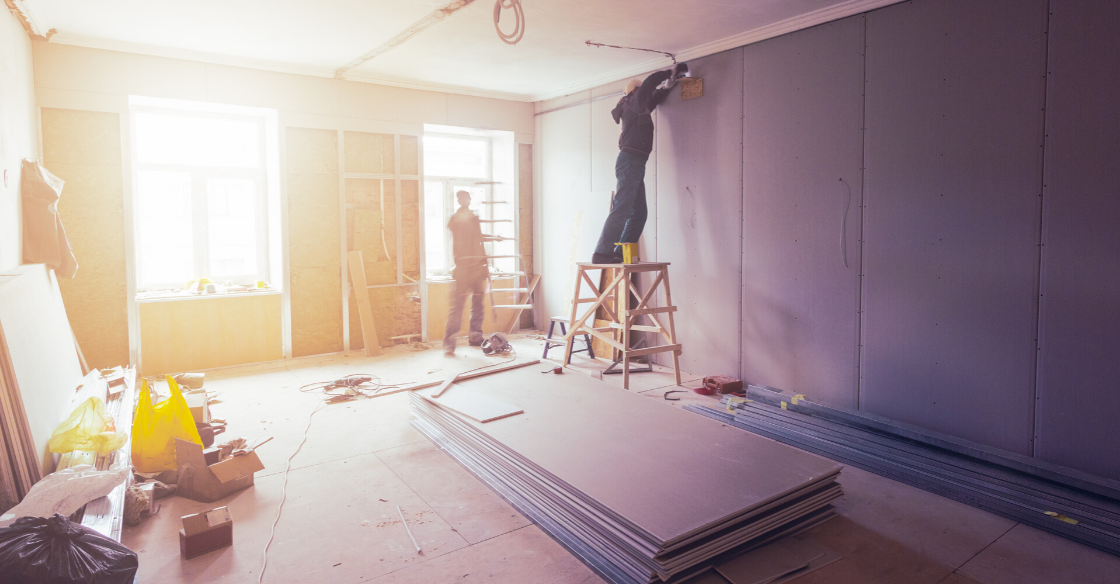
(84, 149)
(1079, 336)
(802, 210)
(951, 226)
(640, 491)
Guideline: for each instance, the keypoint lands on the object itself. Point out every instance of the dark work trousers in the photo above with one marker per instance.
(628, 213)
(468, 282)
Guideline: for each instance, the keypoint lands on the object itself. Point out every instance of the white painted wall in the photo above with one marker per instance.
(19, 134)
(576, 150)
(95, 79)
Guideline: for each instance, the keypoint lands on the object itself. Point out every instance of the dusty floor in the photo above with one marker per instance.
(363, 458)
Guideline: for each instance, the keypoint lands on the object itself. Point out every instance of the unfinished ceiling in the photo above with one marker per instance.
(459, 51)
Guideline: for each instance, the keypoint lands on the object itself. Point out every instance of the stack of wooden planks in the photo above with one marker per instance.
(639, 491)
(1061, 500)
(106, 514)
(19, 460)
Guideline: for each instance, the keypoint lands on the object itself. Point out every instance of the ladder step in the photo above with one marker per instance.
(509, 290)
(516, 306)
(495, 220)
(505, 274)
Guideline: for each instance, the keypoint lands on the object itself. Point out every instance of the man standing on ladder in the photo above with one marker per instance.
(627, 218)
(471, 274)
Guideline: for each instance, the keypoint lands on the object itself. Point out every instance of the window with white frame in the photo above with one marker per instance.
(453, 163)
(201, 181)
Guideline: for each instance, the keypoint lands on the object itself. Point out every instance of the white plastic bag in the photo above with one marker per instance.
(64, 491)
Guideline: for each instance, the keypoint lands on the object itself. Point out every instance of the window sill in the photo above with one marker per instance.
(185, 295)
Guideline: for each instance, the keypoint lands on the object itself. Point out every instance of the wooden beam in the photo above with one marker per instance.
(459, 377)
(365, 311)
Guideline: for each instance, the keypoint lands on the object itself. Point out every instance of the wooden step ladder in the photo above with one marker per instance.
(624, 318)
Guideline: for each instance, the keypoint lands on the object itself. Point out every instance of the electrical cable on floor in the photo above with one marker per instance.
(519, 28)
(355, 382)
(284, 493)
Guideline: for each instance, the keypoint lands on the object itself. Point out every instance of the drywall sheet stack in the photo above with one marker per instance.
(639, 491)
(1075, 505)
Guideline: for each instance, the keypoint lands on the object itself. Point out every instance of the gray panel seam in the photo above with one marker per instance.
(1035, 438)
(742, 196)
(862, 224)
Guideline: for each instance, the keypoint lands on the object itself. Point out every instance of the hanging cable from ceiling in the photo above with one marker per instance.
(598, 45)
(519, 29)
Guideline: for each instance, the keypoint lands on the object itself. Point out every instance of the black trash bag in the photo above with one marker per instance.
(37, 550)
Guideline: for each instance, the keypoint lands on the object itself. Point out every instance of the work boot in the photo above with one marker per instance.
(476, 341)
(602, 258)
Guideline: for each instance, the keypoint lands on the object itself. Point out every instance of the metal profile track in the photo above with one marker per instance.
(1041, 502)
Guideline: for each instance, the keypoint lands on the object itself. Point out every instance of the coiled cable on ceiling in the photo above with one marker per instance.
(519, 30)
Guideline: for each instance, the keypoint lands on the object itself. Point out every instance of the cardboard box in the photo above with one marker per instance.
(191, 380)
(205, 532)
(199, 405)
(210, 482)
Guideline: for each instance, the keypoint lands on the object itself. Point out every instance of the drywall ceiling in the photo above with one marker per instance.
(460, 53)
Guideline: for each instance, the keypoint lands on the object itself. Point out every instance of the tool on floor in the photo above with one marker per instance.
(555, 370)
(721, 384)
(666, 396)
(496, 344)
(401, 513)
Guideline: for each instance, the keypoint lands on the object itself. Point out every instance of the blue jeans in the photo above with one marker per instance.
(628, 213)
(468, 282)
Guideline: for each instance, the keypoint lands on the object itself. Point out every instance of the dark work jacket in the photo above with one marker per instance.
(466, 239)
(633, 111)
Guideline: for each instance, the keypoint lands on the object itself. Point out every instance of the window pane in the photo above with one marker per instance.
(232, 210)
(197, 141)
(444, 156)
(165, 242)
(435, 228)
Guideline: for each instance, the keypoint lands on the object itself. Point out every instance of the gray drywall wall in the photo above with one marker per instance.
(952, 216)
(1079, 337)
(565, 145)
(802, 136)
(699, 155)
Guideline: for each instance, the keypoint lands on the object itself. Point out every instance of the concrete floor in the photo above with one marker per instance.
(363, 458)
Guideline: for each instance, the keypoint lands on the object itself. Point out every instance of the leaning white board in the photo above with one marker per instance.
(42, 348)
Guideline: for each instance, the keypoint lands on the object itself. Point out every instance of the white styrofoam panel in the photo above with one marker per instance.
(565, 169)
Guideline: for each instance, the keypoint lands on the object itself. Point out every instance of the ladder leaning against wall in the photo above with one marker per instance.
(519, 297)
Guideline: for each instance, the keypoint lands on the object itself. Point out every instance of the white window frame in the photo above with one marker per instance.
(199, 199)
(451, 205)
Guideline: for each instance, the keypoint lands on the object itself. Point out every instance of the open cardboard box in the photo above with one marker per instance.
(208, 483)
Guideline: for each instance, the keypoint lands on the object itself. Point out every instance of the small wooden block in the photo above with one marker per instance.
(691, 88)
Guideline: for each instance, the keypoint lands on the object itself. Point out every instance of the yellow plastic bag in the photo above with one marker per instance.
(90, 428)
(155, 429)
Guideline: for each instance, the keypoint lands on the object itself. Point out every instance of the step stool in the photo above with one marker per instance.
(549, 343)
